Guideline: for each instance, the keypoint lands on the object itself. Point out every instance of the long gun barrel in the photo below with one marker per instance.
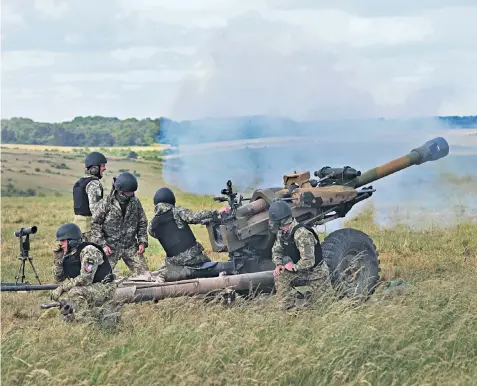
(432, 150)
(252, 282)
(20, 287)
(132, 291)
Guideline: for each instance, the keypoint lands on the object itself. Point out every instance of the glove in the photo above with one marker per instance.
(56, 294)
(66, 308)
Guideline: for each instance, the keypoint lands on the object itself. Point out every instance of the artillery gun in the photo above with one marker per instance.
(247, 235)
(351, 256)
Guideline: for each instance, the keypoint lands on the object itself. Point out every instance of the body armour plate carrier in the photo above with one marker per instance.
(292, 251)
(72, 264)
(174, 240)
(80, 197)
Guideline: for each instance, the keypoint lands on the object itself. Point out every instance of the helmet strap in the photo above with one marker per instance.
(73, 243)
(94, 170)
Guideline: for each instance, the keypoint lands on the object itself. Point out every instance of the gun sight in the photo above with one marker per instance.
(25, 231)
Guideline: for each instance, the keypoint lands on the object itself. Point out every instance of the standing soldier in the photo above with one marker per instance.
(87, 269)
(297, 254)
(170, 225)
(120, 225)
(88, 191)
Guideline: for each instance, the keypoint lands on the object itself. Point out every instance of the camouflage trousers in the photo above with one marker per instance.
(92, 295)
(86, 236)
(93, 303)
(134, 261)
(174, 267)
(286, 282)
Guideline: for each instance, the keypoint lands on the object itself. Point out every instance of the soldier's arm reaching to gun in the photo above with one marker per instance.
(196, 217)
(278, 255)
(142, 230)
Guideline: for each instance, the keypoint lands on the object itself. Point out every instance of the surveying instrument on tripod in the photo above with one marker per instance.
(24, 236)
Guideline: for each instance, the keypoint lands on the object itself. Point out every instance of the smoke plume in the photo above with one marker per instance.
(268, 81)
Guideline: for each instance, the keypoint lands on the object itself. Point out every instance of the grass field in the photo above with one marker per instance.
(420, 334)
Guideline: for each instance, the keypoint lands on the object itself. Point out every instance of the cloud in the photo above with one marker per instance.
(10, 16)
(372, 8)
(21, 60)
(141, 53)
(51, 9)
(260, 70)
(188, 59)
(134, 76)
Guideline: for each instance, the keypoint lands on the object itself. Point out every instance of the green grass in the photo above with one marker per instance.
(421, 334)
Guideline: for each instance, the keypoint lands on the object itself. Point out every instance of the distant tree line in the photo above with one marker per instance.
(460, 122)
(82, 131)
(111, 131)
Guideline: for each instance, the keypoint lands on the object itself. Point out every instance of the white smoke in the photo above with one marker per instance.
(269, 80)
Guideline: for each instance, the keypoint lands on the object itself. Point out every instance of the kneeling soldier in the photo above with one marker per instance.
(83, 268)
(297, 254)
(170, 226)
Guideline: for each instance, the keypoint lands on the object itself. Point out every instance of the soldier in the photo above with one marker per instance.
(84, 264)
(170, 225)
(88, 191)
(120, 226)
(297, 254)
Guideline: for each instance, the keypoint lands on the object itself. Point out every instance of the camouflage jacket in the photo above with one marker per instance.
(91, 258)
(110, 228)
(305, 242)
(182, 216)
(94, 192)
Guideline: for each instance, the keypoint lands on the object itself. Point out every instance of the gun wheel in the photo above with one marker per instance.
(352, 262)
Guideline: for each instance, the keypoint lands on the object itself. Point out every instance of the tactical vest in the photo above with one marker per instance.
(80, 197)
(72, 264)
(174, 240)
(292, 251)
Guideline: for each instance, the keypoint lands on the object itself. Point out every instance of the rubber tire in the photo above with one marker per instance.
(336, 249)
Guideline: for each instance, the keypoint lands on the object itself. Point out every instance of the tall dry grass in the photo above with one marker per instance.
(423, 333)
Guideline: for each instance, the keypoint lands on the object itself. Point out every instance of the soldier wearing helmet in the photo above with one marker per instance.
(170, 225)
(297, 254)
(85, 266)
(88, 191)
(119, 225)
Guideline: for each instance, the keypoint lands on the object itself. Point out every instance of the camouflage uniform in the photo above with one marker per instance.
(122, 232)
(285, 281)
(81, 290)
(94, 192)
(193, 256)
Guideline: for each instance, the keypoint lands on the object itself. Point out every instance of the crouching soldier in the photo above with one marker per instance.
(88, 191)
(297, 254)
(84, 270)
(120, 226)
(170, 225)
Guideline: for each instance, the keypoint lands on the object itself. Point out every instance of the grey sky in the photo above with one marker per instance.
(188, 59)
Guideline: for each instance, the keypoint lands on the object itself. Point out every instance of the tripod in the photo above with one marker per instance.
(24, 256)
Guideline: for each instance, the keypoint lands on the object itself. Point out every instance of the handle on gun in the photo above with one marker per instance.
(51, 305)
